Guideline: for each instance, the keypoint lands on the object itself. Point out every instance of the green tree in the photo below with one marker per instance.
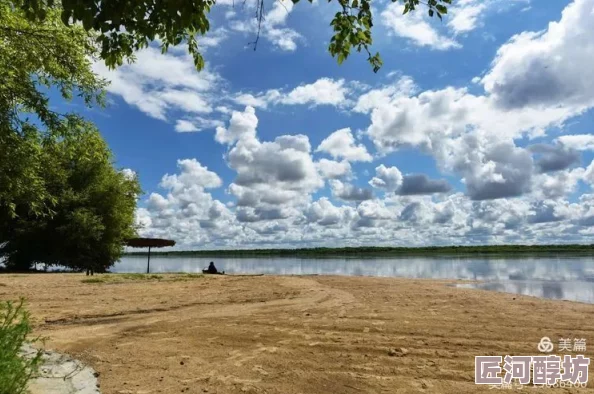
(43, 54)
(93, 213)
(21, 187)
(36, 56)
(61, 200)
(124, 26)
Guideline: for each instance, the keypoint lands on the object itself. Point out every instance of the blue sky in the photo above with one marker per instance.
(476, 130)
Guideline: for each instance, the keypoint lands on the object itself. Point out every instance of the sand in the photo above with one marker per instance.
(288, 334)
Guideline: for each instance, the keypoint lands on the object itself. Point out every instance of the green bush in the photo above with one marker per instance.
(15, 370)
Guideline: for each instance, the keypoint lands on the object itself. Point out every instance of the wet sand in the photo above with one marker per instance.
(288, 334)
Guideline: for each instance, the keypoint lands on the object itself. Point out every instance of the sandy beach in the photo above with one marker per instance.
(288, 334)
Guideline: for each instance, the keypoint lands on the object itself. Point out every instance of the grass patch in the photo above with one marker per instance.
(15, 370)
(194, 275)
(126, 278)
(187, 276)
(94, 280)
(140, 276)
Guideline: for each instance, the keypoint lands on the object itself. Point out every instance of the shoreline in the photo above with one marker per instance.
(468, 284)
(288, 334)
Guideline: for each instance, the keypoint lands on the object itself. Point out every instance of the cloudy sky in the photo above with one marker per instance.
(477, 130)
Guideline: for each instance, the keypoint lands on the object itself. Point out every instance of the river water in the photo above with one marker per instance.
(566, 278)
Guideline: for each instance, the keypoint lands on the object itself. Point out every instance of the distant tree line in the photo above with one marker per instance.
(387, 251)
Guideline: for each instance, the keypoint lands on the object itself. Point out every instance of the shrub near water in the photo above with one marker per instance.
(15, 327)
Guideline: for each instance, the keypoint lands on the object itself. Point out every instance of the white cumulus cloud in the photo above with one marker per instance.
(341, 144)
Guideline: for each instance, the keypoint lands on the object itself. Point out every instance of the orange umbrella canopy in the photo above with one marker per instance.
(149, 242)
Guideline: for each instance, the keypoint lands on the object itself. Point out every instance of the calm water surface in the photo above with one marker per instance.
(563, 278)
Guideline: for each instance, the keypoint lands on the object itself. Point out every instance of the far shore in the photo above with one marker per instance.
(193, 333)
(507, 251)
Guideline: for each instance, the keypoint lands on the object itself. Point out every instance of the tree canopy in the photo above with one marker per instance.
(94, 211)
(124, 26)
(62, 201)
(42, 54)
(36, 56)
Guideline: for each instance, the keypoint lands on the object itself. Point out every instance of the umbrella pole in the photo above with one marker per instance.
(148, 263)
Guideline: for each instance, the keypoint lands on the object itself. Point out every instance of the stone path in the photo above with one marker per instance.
(61, 374)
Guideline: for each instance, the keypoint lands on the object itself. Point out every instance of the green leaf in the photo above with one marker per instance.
(129, 29)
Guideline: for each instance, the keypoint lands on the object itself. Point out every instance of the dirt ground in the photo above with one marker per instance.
(287, 334)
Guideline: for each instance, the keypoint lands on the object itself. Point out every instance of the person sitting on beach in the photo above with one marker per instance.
(212, 269)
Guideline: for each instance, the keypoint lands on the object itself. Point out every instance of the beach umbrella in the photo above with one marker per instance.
(149, 243)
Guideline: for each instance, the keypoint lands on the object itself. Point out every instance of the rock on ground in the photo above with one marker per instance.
(61, 374)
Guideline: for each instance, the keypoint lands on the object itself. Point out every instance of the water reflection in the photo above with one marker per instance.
(572, 291)
(553, 277)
